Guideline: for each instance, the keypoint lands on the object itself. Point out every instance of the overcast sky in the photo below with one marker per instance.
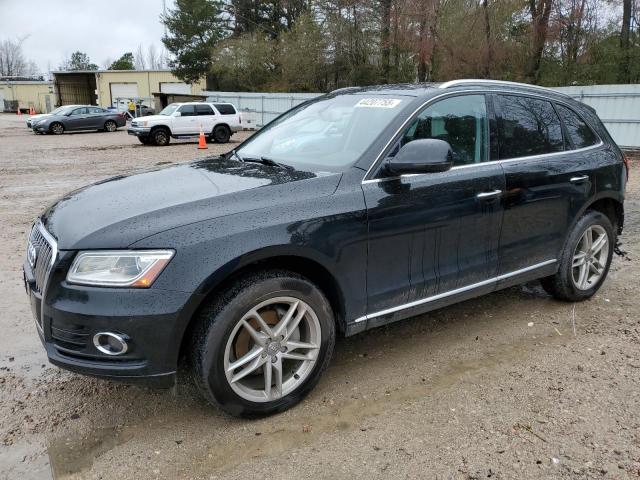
(102, 29)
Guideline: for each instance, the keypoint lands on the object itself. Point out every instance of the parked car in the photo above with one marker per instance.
(86, 117)
(35, 118)
(185, 120)
(142, 110)
(250, 264)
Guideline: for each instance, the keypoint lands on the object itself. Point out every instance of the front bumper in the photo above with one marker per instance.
(139, 131)
(153, 321)
(40, 128)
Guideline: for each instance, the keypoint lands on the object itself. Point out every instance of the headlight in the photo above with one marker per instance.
(118, 268)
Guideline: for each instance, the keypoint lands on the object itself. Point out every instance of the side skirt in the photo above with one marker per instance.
(444, 299)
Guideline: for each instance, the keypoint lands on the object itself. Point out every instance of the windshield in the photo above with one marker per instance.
(326, 134)
(58, 110)
(169, 109)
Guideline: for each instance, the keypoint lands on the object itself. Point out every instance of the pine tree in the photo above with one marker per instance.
(194, 27)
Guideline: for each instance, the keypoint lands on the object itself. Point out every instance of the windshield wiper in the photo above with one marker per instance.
(232, 154)
(267, 161)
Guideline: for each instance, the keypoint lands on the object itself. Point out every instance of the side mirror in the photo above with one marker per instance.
(177, 114)
(426, 155)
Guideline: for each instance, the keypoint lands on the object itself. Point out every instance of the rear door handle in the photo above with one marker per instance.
(579, 179)
(489, 195)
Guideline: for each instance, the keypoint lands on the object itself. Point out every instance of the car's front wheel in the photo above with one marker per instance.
(263, 344)
(144, 140)
(56, 128)
(585, 260)
(160, 137)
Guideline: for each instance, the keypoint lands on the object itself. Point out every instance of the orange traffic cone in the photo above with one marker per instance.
(202, 142)
(32, 111)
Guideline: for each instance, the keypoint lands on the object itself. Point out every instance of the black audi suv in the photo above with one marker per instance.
(358, 208)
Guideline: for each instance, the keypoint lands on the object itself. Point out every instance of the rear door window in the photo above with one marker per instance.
(579, 133)
(461, 121)
(527, 126)
(79, 111)
(204, 110)
(225, 109)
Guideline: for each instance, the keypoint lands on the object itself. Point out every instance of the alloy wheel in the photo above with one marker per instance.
(110, 126)
(590, 257)
(272, 349)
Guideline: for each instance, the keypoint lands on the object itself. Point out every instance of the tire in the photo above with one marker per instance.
(144, 140)
(221, 134)
(220, 338)
(56, 128)
(110, 126)
(569, 283)
(160, 137)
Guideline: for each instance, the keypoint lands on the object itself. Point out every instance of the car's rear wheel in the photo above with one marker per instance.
(263, 344)
(110, 126)
(160, 137)
(56, 128)
(585, 260)
(221, 134)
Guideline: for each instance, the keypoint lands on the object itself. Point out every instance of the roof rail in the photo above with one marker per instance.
(471, 81)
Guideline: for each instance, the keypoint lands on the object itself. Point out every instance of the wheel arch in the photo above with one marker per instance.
(610, 205)
(270, 259)
(221, 124)
(158, 127)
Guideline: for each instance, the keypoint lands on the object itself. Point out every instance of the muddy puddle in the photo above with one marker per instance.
(71, 457)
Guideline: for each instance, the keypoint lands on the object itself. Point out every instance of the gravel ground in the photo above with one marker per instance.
(511, 385)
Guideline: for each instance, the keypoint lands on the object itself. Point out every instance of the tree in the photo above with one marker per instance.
(540, 11)
(140, 60)
(12, 60)
(625, 43)
(125, 62)
(78, 61)
(194, 28)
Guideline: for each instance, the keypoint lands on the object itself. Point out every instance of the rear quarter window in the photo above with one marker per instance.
(225, 109)
(579, 133)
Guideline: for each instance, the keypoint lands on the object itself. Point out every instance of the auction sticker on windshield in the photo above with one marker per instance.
(378, 103)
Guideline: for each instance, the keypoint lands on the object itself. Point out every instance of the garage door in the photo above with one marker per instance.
(121, 93)
(175, 87)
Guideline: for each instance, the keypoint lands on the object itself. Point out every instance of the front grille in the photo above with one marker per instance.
(45, 249)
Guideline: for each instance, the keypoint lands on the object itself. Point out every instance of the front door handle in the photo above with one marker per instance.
(489, 195)
(579, 179)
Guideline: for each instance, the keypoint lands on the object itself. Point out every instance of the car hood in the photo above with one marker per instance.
(152, 118)
(119, 211)
(39, 116)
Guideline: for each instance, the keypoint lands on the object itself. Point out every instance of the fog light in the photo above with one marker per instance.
(110, 343)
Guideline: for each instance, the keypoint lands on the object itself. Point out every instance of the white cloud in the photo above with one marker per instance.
(54, 30)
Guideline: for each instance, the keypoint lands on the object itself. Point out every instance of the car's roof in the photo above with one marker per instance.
(203, 101)
(408, 89)
(423, 89)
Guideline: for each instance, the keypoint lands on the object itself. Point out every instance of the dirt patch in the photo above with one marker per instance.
(497, 387)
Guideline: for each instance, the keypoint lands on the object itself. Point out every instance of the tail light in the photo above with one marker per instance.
(626, 161)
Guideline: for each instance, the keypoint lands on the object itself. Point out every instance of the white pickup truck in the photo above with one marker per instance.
(218, 121)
